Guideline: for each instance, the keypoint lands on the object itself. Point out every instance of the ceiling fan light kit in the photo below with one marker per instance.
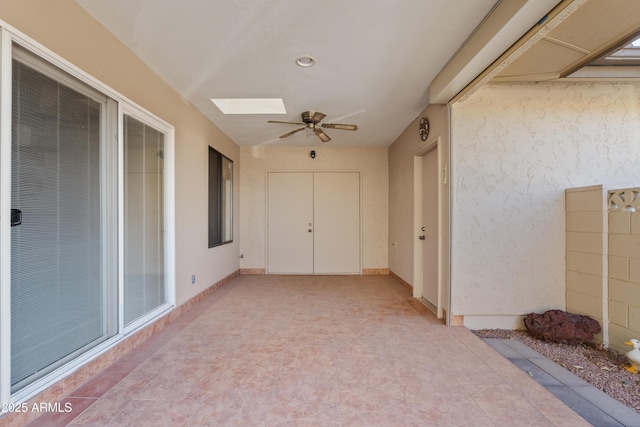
(311, 120)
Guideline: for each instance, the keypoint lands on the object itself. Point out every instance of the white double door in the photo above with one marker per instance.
(313, 223)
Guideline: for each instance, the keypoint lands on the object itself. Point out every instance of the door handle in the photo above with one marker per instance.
(16, 217)
(422, 237)
(310, 230)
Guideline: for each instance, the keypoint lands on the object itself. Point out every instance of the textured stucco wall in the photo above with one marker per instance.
(373, 166)
(515, 149)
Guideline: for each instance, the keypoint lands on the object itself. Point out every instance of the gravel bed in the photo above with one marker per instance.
(598, 366)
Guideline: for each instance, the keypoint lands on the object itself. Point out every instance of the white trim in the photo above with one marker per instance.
(120, 242)
(170, 215)
(5, 214)
(40, 64)
(418, 250)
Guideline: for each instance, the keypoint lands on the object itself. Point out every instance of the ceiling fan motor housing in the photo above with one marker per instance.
(311, 118)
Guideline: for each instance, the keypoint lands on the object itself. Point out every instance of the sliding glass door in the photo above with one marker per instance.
(60, 301)
(87, 252)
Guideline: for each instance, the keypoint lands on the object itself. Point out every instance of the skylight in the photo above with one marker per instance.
(627, 55)
(621, 63)
(250, 105)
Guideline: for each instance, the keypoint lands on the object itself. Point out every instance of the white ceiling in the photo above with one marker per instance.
(375, 58)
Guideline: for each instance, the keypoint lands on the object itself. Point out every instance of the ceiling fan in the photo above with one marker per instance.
(311, 120)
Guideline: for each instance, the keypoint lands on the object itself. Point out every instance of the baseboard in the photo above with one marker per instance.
(253, 271)
(456, 319)
(365, 271)
(188, 304)
(375, 271)
(400, 279)
(475, 322)
(432, 308)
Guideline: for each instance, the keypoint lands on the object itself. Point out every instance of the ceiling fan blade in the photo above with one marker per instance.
(323, 136)
(286, 123)
(317, 117)
(292, 132)
(339, 126)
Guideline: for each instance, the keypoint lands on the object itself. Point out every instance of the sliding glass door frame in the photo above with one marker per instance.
(114, 213)
(6, 62)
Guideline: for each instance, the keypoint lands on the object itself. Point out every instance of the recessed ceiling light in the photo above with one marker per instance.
(306, 61)
(250, 105)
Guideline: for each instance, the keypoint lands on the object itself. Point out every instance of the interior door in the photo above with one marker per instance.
(337, 223)
(290, 223)
(430, 224)
(313, 223)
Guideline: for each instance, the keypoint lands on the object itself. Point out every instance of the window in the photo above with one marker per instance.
(220, 199)
(89, 250)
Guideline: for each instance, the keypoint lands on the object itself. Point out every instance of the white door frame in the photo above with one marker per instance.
(418, 247)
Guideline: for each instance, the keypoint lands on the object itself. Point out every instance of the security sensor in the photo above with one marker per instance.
(312, 154)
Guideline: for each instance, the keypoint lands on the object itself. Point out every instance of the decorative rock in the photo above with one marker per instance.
(563, 327)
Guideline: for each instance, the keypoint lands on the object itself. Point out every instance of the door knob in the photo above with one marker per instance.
(310, 230)
(421, 237)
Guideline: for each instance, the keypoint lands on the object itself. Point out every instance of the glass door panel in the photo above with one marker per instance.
(58, 296)
(144, 277)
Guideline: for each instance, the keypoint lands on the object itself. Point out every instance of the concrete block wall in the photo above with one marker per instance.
(624, 267)
(586, 254)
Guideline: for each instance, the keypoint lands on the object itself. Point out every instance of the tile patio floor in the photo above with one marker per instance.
(312, 351)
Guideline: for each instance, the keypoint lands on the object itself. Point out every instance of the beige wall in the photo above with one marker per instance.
(372, 164)
(64, 28)
(624, 273)
(515, 149)
(402, 232)
(586, 253)
(603, 261)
